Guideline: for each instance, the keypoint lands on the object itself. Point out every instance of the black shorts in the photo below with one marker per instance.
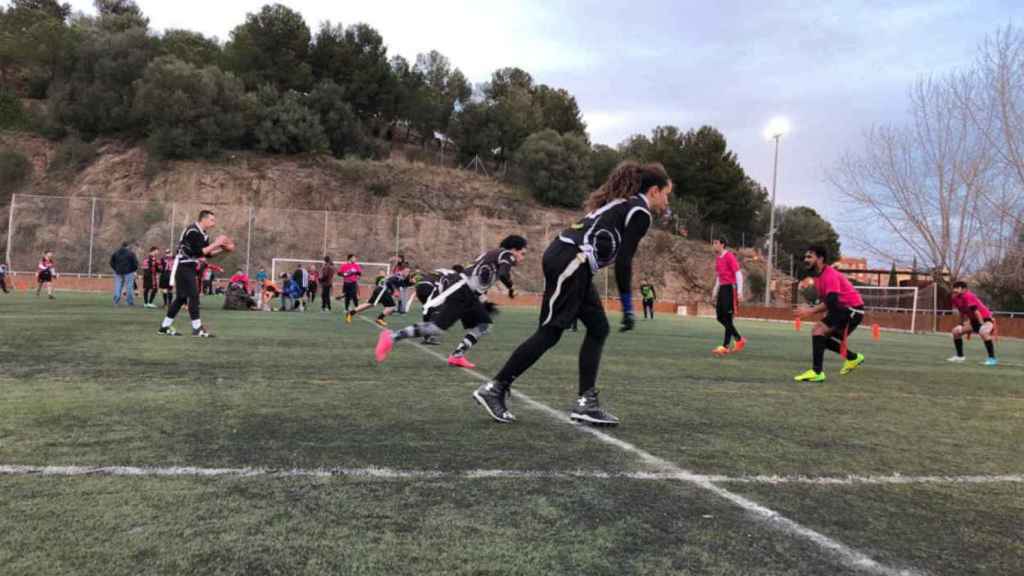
(186, 282)
(165, 280)
(382, 296)
(45, 276)
(461, 305)
(569, 291)
(726, 304)
(147, 281)
(976, 326)
(424, 290)
(350, 289)
(846, 320)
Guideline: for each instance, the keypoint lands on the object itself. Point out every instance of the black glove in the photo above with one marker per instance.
(628, 322)
(512, 293)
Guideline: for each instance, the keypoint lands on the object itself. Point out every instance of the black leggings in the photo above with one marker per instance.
(547, 336)
(325, 298)
(186, 290)
(351, 290)
(649, 308)
(725, 310)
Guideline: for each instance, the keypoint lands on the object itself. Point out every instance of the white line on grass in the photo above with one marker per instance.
(393, 473)
(847, 555)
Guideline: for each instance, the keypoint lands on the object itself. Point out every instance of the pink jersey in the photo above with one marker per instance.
(966, 301)
(46, 264)
(830, 281)
(726, 266)
(350, 272)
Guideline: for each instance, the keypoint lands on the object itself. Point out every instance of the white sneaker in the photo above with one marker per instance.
(957, 359)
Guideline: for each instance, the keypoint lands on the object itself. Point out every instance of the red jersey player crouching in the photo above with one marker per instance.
(727, 294)
(974, 317)
(844, 311)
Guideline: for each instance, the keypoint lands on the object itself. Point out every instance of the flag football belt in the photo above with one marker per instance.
(586, 250)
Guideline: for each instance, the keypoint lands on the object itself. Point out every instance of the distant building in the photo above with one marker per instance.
(847, 263)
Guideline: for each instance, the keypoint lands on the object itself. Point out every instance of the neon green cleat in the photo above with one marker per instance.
(810, 376)
(851, 365)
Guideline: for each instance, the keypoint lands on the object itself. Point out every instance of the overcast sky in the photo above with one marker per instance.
(833, 68)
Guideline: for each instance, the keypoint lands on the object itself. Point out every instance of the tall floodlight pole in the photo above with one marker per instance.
(775, 130)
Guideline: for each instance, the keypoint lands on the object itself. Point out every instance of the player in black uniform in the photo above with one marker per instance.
(429, 285)
(383, 294)
(463, 299)
(619, 218)
(193, 245)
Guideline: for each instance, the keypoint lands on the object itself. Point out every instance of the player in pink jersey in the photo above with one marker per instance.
(727, 294)
(974, 317)
(844, 311)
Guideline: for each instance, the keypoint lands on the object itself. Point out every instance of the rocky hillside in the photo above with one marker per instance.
(443, 215)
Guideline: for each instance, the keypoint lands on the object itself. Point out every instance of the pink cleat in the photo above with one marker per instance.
(460, 362)
(384, 345)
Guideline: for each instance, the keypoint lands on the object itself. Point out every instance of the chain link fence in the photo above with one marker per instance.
(83, 232)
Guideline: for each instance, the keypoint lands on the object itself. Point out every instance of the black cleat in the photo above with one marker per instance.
(169, 331)
(201, 333)
(587, 409)
(492, 397)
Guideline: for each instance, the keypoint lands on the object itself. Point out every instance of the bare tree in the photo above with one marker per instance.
(991, 96)
(919, 189)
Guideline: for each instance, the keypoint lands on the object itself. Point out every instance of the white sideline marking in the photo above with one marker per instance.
(392, 473)
(848, 556)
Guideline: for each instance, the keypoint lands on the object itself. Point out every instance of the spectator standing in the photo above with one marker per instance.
(3, 277)
(314, 282)
(326, 282)
(125, 264)
(166, 266)
(261, 278)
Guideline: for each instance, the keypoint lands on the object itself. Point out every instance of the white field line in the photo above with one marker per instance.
(380, 473)
(845, 554)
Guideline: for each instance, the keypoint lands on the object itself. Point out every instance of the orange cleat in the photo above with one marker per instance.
(720, 351)
(460, 362)
(385, 342)
(739, 345)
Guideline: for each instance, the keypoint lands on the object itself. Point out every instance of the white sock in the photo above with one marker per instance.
(167, 323)
(197, 324)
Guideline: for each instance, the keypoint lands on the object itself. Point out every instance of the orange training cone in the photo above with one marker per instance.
(796, 324)
(876, 332)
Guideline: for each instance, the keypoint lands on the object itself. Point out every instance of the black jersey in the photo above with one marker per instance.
(393, 283)
(611, 234)
(490, 267)
(190, 246)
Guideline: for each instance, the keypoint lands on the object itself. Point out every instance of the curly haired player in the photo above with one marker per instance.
(620, 215)
(193, 246)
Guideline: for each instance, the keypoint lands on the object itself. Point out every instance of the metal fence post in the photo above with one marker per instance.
(10, 230)
(398, 235)
(174, 216)
(325, 234)
(92, 233)
(248, 244)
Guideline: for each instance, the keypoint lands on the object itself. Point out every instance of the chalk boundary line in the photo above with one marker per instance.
(385, 473)
(846, 555)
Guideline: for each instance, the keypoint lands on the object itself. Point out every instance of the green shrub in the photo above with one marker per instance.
(556, 167)
(15, 170)
(379, 188)
(12, 115)
(72, 155)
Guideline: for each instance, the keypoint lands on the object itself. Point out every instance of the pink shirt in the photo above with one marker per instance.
(350, 272)
(830, 281)
(964, 302)
(726, 266)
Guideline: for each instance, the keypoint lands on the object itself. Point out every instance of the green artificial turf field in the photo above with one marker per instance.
(280, 447)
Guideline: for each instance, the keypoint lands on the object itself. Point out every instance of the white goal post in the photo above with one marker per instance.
(901, 300)
(370, 269)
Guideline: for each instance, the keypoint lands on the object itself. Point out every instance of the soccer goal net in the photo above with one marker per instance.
(907, 308)
(371, 270)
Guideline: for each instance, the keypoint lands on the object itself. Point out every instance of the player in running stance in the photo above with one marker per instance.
(463, 298)
(383, 294)
(844, 311)
(974, 317)
(193, 246)
(429, 285)
(727, 294)
(620, 214)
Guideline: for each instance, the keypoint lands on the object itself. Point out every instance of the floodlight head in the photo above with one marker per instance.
(776, 128)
